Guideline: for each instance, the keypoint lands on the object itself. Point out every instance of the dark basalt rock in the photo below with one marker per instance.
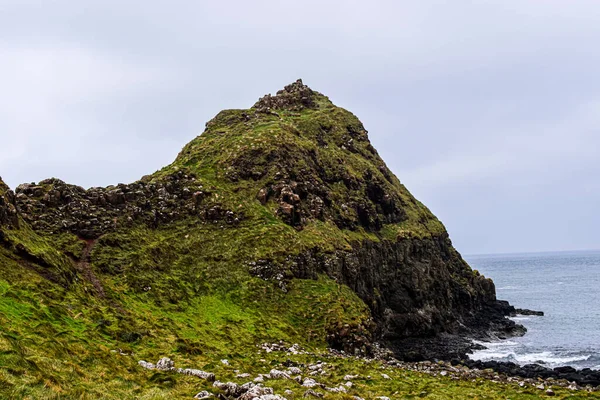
(522, 311)
(295, 96)
(582, 377)
(54, 206)
(423, 297)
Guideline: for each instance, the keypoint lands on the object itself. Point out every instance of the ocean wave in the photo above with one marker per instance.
(549, 358)
(502, 343)
(489, 355)
(545, 357)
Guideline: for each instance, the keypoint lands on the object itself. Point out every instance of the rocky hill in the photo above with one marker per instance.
(278, 222)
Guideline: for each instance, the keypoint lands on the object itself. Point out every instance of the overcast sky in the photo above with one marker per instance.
(488, 111)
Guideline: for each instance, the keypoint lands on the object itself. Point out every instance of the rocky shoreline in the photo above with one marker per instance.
(489, 324)
(453, 350)
(306, 376)
(576, 378)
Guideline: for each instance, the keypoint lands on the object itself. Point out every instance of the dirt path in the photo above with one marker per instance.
(83, 266)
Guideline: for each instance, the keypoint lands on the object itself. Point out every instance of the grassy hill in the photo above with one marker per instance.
(278, 223)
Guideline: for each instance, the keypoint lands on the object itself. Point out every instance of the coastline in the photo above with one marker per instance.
(450, 352)
(563, 343)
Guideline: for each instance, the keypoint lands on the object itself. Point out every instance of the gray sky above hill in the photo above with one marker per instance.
(489, 112)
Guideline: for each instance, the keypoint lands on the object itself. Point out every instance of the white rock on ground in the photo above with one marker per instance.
(230, 388)
(256, 392)
(165, 364)
(248, 385)
(146, 364)
(198, 373)
(276, 374)
(309, 383)
(339, 389)
(203, 395)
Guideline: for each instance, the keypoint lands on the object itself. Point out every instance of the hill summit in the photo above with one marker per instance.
(278, 222)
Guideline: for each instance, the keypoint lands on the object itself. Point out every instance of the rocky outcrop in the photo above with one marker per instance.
(415, 288)
(54, 206)
(522, 311)
(581, 377)
(8, 212)
(294, 97)
(369, 203)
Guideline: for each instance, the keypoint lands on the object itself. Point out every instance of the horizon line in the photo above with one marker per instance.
(531, 252)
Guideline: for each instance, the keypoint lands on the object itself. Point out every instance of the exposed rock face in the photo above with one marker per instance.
(368, 203)
(8, 211)
(415, 288)
(295, 96)
(55, 206)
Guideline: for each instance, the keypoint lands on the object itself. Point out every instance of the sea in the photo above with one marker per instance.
(566, 287)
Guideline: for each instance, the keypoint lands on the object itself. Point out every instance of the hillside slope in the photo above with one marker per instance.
(279, 222)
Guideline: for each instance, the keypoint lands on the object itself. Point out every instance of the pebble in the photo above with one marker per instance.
(308, 382)
(276, 374)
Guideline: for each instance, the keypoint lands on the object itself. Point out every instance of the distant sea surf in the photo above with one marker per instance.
(566, 286)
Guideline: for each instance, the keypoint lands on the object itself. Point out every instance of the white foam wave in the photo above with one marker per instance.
(503, 343)
(508, 288)
(549, 358)
(489, 355)
(545, 357)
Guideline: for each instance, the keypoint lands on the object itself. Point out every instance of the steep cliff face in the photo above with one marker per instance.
(296, 191)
